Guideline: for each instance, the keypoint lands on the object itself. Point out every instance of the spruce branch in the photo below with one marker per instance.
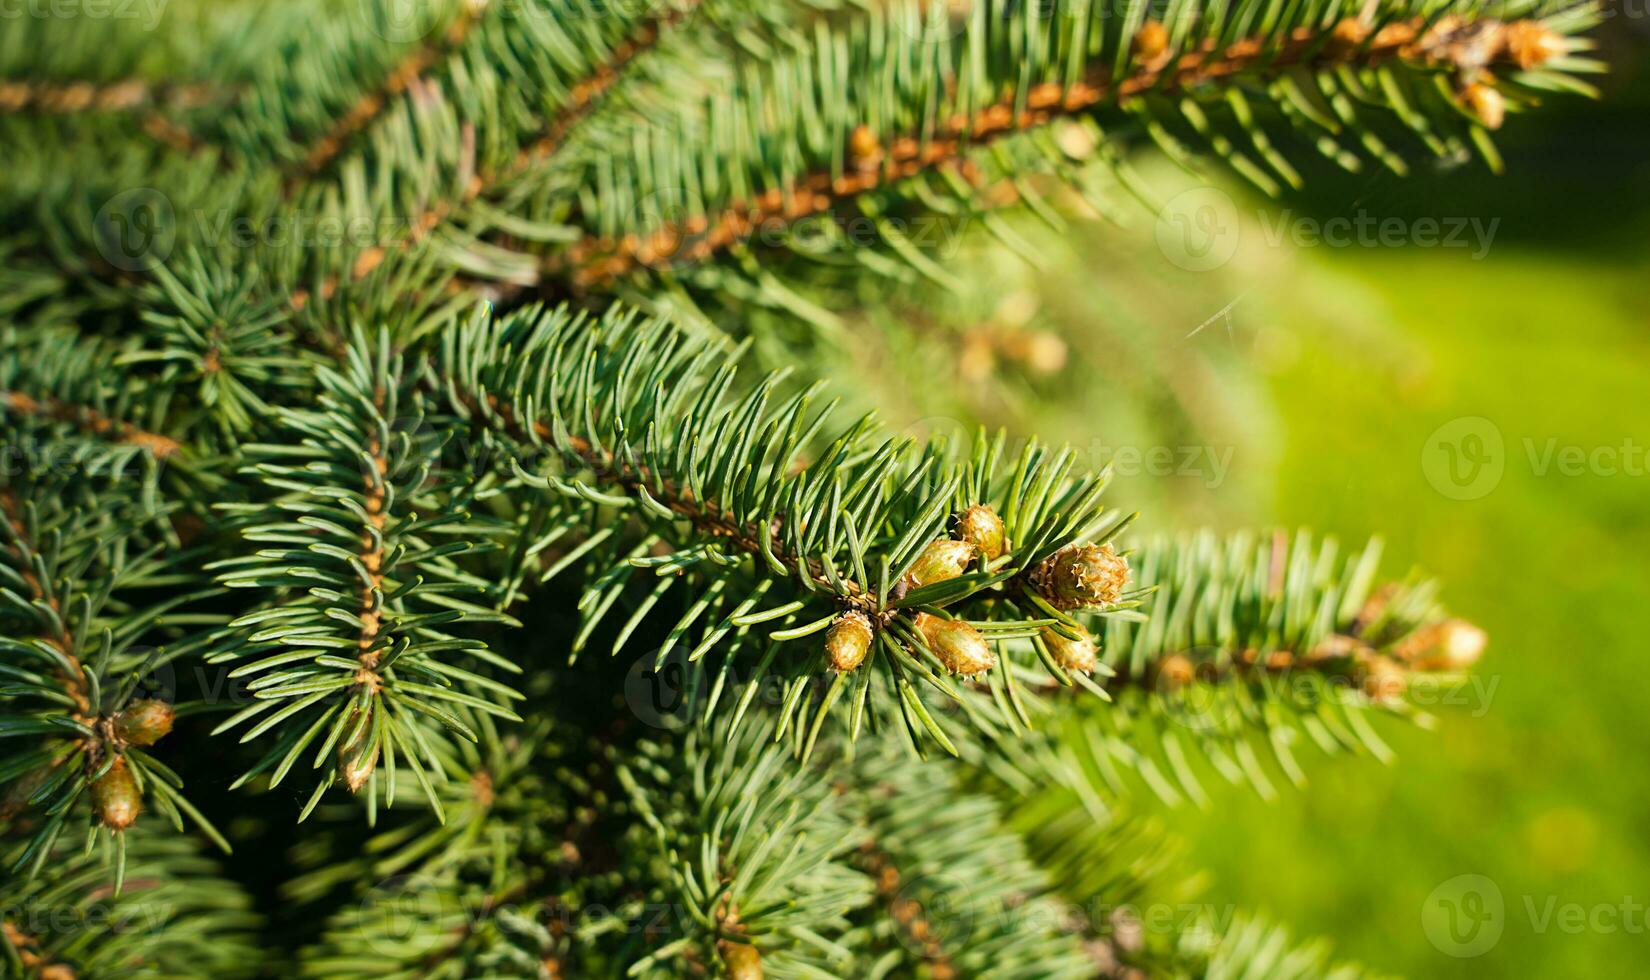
(629, 429)
(347, 647)
(78, 574)
(672, 211)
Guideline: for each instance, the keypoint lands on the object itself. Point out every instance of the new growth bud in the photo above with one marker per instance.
(941, 561)
(144, 722)
(743, 960)
(1485, 104)
(1080, 655)
(1082, 576)
(981, 527)
(960, 647)
(116, 796)
(847, 641)
(1453, 644)
(355, 762)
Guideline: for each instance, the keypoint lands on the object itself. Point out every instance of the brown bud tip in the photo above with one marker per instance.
(847, 641)
(743, 960)
(116, 796)
(1082, 575)
(942, 560)
(960, 647)
(1080, 655)
(862, 142)
(1530, 43)
(1174, 672)
(1384, 680)
(1151, 43)
(358, 759)
(1349, 34)
(1453, 644)
(1486, 104)
(981, 527)
(57, 971)
(144, 722)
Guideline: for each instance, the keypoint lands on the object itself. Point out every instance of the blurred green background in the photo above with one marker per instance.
(1319, 377)
(1538, 785)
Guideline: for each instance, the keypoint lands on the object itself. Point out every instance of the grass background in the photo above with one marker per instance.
(1548, 337)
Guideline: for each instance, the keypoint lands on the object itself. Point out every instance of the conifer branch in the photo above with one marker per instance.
(1472, 47)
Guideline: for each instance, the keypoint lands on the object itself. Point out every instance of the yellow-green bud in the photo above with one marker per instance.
(1082, 575)
(847, 641)
(144, 722)
(116, 796)
(1079, 655)
(960, 647)
(355, 762)
(981, 527)
(743, 960)
(1453, 644)
(942, 560)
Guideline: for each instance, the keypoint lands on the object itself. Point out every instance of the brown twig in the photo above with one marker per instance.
(584, 97)
(93, 421)
(1467, 46)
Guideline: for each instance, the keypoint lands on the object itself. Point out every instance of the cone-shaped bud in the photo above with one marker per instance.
(1486, 104)
(358, 759)
(941, 561)
(847, 641)
(1151, 44)
(743, 960)
(1082, 575)
(1076, 655)
(1531, 43)
(1174, 672)
(116, 796)
(1453, 644)
(144, 722)
(981, 527)
(960, 647)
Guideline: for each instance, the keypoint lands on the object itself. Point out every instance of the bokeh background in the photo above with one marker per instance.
(1332, 381)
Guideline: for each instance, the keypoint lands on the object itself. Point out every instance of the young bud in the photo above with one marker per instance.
(941, 561)
(960, 647)
(1074, 655)
(862, 142)
(144, 722)
(1486, 104)
(116, 798)
(847, 641)
(355, 762)
(1174, 672)
(1453, 644)
(1082, 575)
(1531, 43)
(1151, 45)
(981, 527)
(743, 960)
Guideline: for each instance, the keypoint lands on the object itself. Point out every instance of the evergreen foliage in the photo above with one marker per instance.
(408, 428)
